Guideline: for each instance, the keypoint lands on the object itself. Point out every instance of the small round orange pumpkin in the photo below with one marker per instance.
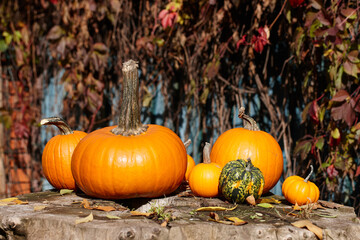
(56, 157)
(190, 162)
(249, 142)
(299, 190)
(204, 177)
(129, 160)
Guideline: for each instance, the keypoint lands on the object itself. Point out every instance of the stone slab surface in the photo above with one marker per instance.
(50, 215)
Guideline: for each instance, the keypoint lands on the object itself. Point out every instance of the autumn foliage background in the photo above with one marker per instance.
(294, 65)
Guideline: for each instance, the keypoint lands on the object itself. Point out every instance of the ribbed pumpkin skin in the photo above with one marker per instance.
(56, 159)
(204, 179)
(236, 183)
(189, 167)
(295, 190)
(112, 166)
(263, 150)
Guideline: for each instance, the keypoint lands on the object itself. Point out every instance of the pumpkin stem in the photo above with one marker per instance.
(248, 165)
(187, 143)
(311, 171)
(249, 123)
(129, 120)
(59, 123)
(206, 153)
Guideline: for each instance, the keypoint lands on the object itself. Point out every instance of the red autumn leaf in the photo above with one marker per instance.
(357, 171)
(344, 112)
(314, 112)
(340, 96)
(261, 40)
(295, 3)
(242, 41)
(331, 171)
(167, 18)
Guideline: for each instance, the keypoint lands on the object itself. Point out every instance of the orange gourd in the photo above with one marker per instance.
(204, 177)
(129, 160)
(250, 142)
(56, 157)
(190, 162)
(299, 190)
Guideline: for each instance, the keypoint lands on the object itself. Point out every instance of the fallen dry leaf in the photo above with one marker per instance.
(165, 223)
(223, 222)
(310, 226)
(237, 221)
(251, 200)
(331, 205)
(214, 216)
(85, 203)
(215, 209)
(268, 200)
(65, 191)
(105, 208)
(309, 206)
(39, 207)
(265, 205)
(112, 216)
(89, 218)
(136, 213)
(12, 201)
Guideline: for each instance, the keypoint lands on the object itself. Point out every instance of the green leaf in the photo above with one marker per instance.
(322, 114)
(338, 79)
(265, 205)
(65, 191)
(3, 46)
(335, 133)
(320, 143)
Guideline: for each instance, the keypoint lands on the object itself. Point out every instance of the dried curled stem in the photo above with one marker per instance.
(249, 123)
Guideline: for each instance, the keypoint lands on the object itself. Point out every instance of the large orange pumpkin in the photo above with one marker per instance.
(129, 160)
(249, 142)
(56, 157)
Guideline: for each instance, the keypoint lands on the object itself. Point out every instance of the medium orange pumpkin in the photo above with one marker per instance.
(250, 142)
(190, 162)
(56, 157)
(204, 177)
(129, 160)
(299, 190)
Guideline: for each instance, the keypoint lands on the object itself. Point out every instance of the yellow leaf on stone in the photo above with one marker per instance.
(265, 205)
(237, 221)
(39, 207)
(65, 191)
(215, 209)
(12, 201)
(89, 218)
(109, 216)
(9, 199)
(268, 200)
(310, 226)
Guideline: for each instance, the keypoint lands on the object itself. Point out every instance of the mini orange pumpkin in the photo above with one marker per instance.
(204, 177)
(56, 157)
(190, 162)
(299, 190)
(129, 160)
(249, 142)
